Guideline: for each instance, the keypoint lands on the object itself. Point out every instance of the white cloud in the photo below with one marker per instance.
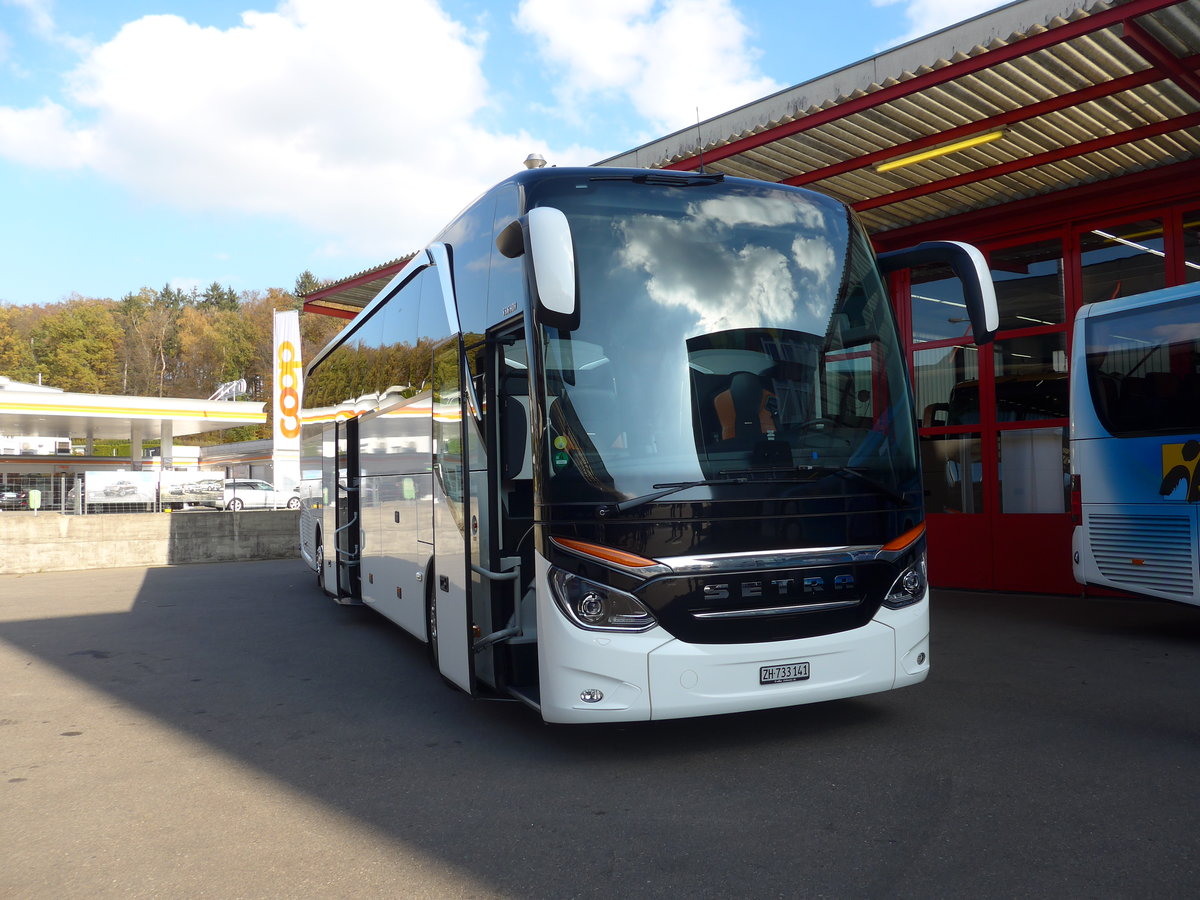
(927, 16)
(665, 57)
(41, 136)
(702, 264)
(353, 117)
(39, 14)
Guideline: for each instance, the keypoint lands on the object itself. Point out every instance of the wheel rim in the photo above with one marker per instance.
(431, 625)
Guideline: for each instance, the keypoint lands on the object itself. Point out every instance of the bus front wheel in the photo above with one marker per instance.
(431, 625)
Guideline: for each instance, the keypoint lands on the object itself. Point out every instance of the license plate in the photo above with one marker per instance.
(797, 671)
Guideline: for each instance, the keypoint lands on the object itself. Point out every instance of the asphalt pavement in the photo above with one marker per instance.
(225, 730)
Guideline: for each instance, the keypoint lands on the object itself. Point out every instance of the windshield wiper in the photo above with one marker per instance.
(664, 489)
(846, 472)
(746, 477)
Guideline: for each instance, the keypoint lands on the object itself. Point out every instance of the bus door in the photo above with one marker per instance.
(496, 431)
(347, 512)
(449, 612)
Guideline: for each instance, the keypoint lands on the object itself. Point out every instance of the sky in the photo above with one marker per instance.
(182, 142)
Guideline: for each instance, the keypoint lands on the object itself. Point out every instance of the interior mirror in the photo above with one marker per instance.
(972, 270)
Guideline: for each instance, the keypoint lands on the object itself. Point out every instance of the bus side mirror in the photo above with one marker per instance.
(972, 270)
(546, 234)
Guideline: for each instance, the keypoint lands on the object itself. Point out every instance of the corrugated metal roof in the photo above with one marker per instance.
(348, 295)
(1076, 99)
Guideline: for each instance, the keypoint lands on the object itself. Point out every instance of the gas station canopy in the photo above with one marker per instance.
(36, 411)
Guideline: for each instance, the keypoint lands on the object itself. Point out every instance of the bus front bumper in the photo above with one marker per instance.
(644, 677)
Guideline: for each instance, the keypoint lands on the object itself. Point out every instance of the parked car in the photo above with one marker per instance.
(203, 486)
(13, 497)
(121, 489)
(247, 493)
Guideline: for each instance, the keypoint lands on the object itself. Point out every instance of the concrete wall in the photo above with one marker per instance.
(51, 542)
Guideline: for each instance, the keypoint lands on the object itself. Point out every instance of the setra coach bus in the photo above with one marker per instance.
(631, 445)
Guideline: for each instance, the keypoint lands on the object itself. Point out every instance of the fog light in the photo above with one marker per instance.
(591, 695)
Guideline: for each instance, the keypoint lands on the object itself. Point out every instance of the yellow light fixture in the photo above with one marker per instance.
(924, 155)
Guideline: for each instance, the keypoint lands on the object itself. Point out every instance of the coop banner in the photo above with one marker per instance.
(288, 377)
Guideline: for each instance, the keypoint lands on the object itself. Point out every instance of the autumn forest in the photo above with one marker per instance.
(157, 343)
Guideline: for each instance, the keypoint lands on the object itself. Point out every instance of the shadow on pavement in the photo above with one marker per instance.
(1054, 739)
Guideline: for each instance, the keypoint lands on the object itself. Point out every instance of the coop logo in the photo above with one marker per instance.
(289, 394)
(1180, 478)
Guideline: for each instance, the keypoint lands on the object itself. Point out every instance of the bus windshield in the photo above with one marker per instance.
(728, 332)
(1141, 369)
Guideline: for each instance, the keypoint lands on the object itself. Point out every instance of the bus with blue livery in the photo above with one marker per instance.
(1135, 444)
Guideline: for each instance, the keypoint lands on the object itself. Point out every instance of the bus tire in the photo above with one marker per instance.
(431, 622)
(320, 559)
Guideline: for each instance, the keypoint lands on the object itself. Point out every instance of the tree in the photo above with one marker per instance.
(214, 347)
(217, 297)
(150, 322)
(77, 346)
(16, 354)
(137, 355)
(306, 281)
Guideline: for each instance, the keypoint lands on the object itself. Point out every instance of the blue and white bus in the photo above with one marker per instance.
(631, 445)
(1135, 444)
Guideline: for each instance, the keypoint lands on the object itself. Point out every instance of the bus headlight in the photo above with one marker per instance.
(909, 587)
(597, 607)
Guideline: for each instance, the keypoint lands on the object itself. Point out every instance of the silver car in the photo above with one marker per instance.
(248, 493)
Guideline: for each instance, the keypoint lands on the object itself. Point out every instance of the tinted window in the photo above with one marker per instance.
(506, 295)
(381, 358)
(471, 239)
(1142, 368)
(1122, 260)
(1029, 284)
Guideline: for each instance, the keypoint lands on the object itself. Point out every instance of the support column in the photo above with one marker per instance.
(167, 448)
(136, 430)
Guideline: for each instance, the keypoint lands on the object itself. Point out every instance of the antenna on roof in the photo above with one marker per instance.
(699, 141)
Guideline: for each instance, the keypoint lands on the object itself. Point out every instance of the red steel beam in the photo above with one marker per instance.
(329, 311)
(366, 277)
(1101, 143)
(1150, 189)
(1144, 44)
(1049, 38)
(1041, 108)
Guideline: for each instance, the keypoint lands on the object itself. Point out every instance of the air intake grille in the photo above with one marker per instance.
(1147, 553)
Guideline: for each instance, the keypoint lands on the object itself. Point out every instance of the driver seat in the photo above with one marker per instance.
(744, 409)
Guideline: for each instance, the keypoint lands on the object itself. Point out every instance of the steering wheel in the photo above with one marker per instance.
(819, 422)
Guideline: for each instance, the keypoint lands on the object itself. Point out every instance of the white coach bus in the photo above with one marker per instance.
(632, 445)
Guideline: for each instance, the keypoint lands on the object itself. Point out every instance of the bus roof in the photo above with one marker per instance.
(1137, 301)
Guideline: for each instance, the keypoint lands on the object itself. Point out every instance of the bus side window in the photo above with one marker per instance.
(506, 279)
(513, 394)
(471, 241)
